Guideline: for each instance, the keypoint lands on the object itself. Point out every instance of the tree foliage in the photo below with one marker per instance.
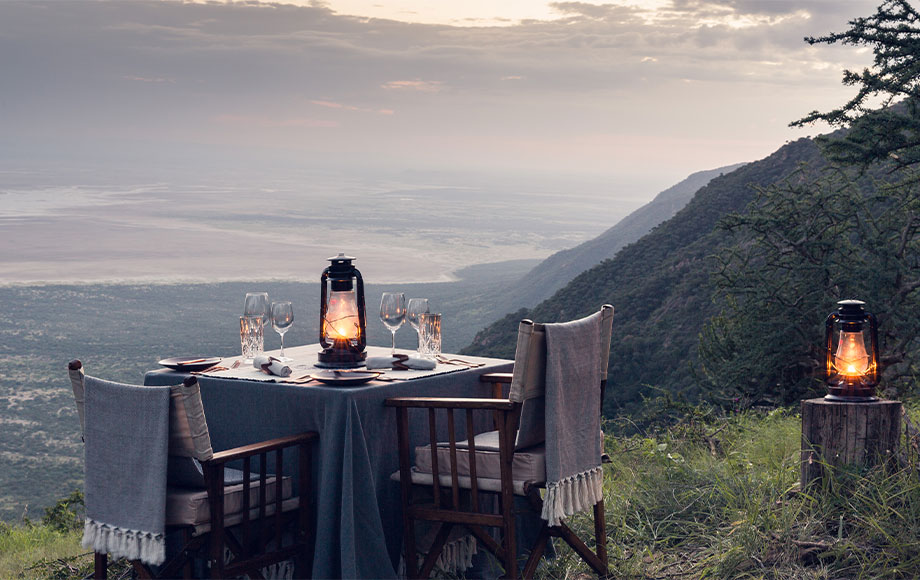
(801, 247)
(807, 243)
(890, 133)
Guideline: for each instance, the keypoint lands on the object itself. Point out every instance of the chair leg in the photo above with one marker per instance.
(100, 565)
(600, 535)
(186, 545)
(596, 559)
(564, 532)
(509, 545)
(434, 552)
(141, 570)
(536, 553)
(409, 539)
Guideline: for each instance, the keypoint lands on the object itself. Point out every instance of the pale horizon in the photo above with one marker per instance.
(205, 107)
(643, 92)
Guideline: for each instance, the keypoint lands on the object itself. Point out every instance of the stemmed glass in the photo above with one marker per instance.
(393, 313)
(257, 304)
(282, 319)
(415, 307)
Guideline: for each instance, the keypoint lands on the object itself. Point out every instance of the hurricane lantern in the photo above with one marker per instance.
(342, 318)
(851, 340)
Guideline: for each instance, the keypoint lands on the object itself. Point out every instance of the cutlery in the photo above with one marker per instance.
(459, 361)
(191, 362)
(236, 364)
(213, 369)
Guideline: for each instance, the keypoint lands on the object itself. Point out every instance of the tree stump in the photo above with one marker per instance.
(837, 434)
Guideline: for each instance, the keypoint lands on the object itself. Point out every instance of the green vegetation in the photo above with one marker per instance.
(695, 494)
(660, 287)
(37, 551)
(47, 549)
(718, 312)
(797, 249)
(724, 302)
(717, 497)
(888, 134)
(852, 232)
(555, 271)
(50, 549)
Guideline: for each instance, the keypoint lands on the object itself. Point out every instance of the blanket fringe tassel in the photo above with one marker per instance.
(455, 557)
(147, 547)
(573, 494)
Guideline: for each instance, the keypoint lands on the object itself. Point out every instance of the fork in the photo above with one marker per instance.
(213, 369)
(459, 361)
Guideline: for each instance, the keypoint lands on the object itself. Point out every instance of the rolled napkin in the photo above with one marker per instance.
(271, 365)
(400, 362)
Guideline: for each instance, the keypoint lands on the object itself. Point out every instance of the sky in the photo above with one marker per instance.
(637, 92)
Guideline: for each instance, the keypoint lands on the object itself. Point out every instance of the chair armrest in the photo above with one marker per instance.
(450, 403)
(495, 378)
(262, 447)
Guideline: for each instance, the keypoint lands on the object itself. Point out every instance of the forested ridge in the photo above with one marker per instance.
(726, 300)
(659, 286)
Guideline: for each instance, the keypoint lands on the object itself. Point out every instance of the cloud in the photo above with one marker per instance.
(416, 85)
(93, 69)
(343, 107)
(263, 121)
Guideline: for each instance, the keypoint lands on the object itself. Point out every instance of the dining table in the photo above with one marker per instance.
(357, 503)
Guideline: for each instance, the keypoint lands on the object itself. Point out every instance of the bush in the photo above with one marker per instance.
(67, 514)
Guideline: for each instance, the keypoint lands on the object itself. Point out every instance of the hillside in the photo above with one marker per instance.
(555, 271)
(659, 285)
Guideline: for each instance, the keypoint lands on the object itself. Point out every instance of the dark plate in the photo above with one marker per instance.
(190, 364)
(344, 378)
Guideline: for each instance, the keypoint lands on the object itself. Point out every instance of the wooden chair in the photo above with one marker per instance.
(239, 521)
(506, 462)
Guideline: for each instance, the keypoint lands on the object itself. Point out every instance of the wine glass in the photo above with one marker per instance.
(257, 303)
(282, 319)
(393, 313)
(415, 307)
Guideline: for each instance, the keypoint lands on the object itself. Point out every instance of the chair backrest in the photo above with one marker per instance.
(77, 382)
(188, 427)
(189, 438)
(528, 383)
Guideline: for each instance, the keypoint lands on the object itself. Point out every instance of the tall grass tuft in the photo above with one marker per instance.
(718, 497)
(39, 551)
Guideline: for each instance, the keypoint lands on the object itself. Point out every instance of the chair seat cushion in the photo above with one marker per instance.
(189, 506)
(527, 465)
(482, 483)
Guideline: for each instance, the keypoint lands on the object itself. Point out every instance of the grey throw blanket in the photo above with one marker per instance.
(127, 435)
(574, 480)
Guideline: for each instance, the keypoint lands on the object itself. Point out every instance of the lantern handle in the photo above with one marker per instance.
(873, 331)
(829, 343)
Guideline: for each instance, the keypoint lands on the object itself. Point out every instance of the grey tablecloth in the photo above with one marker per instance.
(359, 525)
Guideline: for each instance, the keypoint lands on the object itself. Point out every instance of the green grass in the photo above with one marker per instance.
(703, 496)
(719, 498)
(40, 551)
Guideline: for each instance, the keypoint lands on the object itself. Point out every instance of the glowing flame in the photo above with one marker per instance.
(341, 320)
(851, 359)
